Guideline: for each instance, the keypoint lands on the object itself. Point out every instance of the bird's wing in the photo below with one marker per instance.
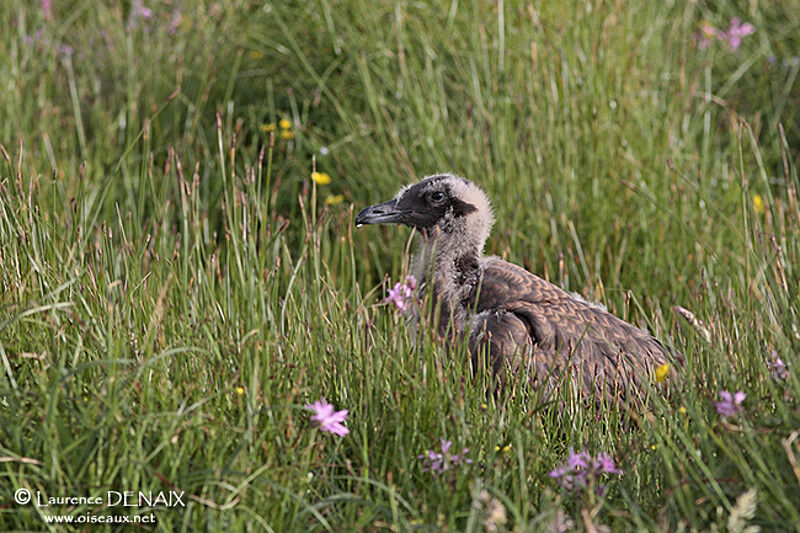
(559, 334)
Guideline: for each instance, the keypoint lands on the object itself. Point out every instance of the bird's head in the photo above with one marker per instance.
(445, 206)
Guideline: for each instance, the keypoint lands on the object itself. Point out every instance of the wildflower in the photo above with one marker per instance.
(334, 199)
(758, 204)
(662, 372)
(33, 39)
(137, 13)
(736, 31)
(578, 460)
(285, 124)
(324, 150)
(326, 419)
(175, 21)
(733, 35)
(239, 390)
(682, 410)
(47, 9)
(437, 462)
(402, 293)
(266, 128)
(256, 54)
(707, 34)
(504, 449)
(287, 134)
(605, 463)
(139, 10)
(581, 470)
(729, 404)
(320, 178)
(780, 370)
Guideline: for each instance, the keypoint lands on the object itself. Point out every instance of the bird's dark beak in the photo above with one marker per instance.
(384, 213)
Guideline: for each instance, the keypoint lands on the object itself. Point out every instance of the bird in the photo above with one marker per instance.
(515, 322)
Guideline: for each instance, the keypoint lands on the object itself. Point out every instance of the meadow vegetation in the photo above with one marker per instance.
(175, 287)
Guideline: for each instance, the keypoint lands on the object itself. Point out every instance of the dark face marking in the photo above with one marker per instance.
(423, 206)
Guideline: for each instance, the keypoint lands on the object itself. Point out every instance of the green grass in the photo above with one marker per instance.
(161, 253)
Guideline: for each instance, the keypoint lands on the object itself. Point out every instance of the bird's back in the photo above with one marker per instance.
(525, 321)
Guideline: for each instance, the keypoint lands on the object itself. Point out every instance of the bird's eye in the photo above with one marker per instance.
(437, 197)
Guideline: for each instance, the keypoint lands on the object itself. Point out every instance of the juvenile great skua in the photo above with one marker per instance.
(516, 321)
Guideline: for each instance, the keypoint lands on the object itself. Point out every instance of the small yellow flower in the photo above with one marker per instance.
(239, 390)
(682, 410)
(287, 134)
(285, 124)
(653, 447)
(266, 128)
(334, 199)
(661, 372)
(504, 449)
(758, 204)
(256, 54)
(707, 30)
(321, 178)
(484, 406)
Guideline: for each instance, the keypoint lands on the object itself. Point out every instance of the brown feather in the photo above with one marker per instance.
(521, 315)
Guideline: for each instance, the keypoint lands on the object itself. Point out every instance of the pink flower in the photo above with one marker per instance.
(47, 9)
(578, 461)
(736, 31)
(729, 404)
(402, 293)
(175, 21)
(327, 419)
(733, 35)
(437, 463)
(605, 464)
(581, 469)
(139, 10)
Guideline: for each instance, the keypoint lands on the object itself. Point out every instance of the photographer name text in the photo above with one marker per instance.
(113, 498)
